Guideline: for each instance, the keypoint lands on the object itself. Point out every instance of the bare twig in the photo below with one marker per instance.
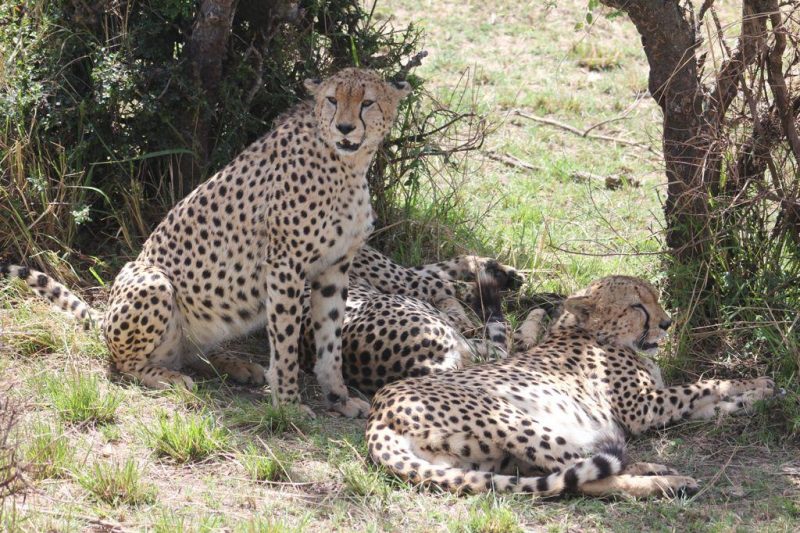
(584, 133)
(11, 470)
(414, 62)
(510, 161)
(420, 137)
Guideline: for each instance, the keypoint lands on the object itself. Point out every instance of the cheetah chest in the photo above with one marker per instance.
(345, 230)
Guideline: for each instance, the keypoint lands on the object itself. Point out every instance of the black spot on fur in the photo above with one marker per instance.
(571, 480)
(487, 304)
(542, 485)
(603, 466)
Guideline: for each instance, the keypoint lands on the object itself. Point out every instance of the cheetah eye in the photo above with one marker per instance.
(332, 100)
(366, 103)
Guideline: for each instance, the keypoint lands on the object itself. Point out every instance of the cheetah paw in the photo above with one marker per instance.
(306, 410)
(247, 373)
(178, 381)
(678, 486)
(352, 408)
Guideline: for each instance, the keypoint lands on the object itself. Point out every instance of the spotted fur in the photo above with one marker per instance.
(552, 418)
(402, 322)
(53, 291)
(236, 254)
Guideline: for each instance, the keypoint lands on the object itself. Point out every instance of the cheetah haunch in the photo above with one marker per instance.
(552, 418)
(235, 254)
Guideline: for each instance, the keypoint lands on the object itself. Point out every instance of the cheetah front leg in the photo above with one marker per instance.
(285, 286)
(328, 296)
(661, 407)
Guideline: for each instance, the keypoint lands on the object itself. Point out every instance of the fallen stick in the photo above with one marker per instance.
(612, 182)
(510, 160)
(584, 133)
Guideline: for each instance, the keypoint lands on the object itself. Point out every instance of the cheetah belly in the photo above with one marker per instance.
(241, 309)
(577, 418)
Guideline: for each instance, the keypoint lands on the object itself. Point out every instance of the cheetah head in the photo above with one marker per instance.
(355, 109)
(622, 310)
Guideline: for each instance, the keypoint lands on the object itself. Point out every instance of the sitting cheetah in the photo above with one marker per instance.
(235, 254)
(403, 322)
(560, 408)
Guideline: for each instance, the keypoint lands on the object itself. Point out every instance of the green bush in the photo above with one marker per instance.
(102, 107)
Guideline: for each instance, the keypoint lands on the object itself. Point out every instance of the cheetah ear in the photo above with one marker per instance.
(399, 89)
(312, 85)
(580, 306)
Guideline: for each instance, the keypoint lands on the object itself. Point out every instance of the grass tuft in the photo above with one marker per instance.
(49, 451)
(116, 484)
(274, 466)
(79, 398)
(361, 480)
(488, 515)
(171, 522)
(264, 417)
(187, 438)
(270, 524)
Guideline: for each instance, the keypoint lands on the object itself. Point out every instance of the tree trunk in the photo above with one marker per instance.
(204, 56)
(668, 38)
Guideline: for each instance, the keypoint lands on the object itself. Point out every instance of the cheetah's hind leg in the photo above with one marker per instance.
(143, 328)
(640, 486)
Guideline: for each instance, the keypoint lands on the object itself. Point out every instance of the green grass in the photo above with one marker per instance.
(272, 525)
(33, 329)
(48, 450)
(263, 417)
(487, 515)
(170, 521)
(532, 217)
(265, 465)
(116, 483)
(80, 397)
(187, 437)
(362, 480)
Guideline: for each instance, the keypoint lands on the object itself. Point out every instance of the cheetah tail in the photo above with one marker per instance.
(55, 292)
(487, 304)
(394, 451)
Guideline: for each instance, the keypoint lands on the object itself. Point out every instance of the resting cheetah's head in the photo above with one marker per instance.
(623, 310)
(355, 109)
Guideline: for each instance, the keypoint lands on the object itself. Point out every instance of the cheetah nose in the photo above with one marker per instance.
(665, 324)
(345, 128)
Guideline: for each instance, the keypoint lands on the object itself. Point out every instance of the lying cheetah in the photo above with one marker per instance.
(561, 407)
(403, 322)
(235, 254)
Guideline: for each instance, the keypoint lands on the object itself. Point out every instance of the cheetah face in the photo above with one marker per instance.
(355, 109)
(622, 310)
